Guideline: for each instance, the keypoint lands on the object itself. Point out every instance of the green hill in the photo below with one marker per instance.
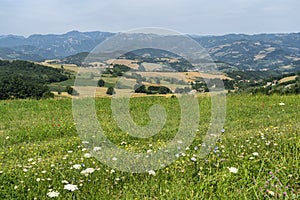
(23, 79)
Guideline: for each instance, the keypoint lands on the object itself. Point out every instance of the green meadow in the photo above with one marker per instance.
(257, 156)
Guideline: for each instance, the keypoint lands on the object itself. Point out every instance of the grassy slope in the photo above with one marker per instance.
(42, 132)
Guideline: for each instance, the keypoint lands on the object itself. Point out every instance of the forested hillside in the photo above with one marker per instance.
(23, 79)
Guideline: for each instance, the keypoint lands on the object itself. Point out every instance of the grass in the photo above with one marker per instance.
(39, 147)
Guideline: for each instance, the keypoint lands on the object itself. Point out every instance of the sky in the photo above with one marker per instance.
(203, 17)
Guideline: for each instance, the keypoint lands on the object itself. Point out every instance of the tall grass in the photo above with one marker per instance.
(39, 150)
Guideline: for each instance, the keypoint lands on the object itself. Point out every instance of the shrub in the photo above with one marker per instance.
(110, 91)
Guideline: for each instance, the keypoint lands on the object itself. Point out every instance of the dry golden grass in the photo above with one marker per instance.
(70, 67)
(178, 75)
(192, 75)
(62, 95)
(286, 79)
(130, 63)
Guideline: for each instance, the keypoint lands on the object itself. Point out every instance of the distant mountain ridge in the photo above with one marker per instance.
(244, 52)
(50, 46)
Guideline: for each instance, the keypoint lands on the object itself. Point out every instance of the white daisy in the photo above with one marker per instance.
(151, 172)
(114, 159)
(71, 187)
(53, 194)
(76, 166)
(87, 155)
(232, 170)
(97, 149)
(87, 171)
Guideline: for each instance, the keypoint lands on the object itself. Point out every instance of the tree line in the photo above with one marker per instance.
(23, 79)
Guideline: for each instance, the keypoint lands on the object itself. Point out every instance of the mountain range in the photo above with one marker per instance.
(39, 47)
(263, 52)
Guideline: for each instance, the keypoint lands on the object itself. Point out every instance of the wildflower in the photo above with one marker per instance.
(216, 149)
(284, 193)
(64, 181)
(251, 158)
(87, 171)
(87, 155)
(222, 130)
(255, 154)
(7, 138)
(71, 187)
(97, 149)
(281, 104)
(16, 187)
(53, 194)
(151, 172)
(270, 192)
(1, 172)
(193, 159)
(114, 159)
(38, 179)
(44, 172)
(76, 166)
(232, 170)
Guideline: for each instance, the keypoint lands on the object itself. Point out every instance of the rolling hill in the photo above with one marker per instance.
(279, 52)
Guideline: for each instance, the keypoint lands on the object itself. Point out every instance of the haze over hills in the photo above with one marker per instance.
(263, 52)
(49, 46)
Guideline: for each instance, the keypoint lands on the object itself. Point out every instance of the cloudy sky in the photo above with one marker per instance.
(205, 17)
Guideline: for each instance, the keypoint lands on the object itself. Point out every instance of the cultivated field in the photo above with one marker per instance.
(257, 157)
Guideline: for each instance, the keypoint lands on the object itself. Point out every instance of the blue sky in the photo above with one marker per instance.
(209, 17)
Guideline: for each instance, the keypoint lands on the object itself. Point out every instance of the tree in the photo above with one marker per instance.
(16, 87)
(158, 89)
(101, 83)
(140, 89)
(71, 91)
(164, 90)
(110, 91)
